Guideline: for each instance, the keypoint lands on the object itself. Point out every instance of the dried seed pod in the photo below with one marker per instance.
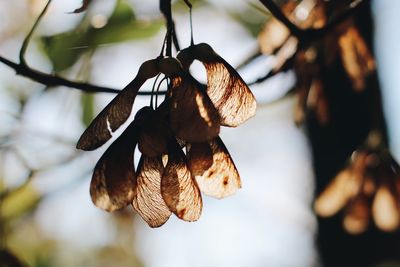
(356, 57)
(336, 195)
(385, 209)
(153, 136)
(226, 89)
(357, 215)
(218, 179)
(317, 101)
(148, 201)
(114, 178)
(178, 188)
(200, 157)
(193, 117)
(117, 111)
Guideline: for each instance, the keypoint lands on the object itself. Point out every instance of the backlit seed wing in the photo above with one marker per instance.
(114, 180)
(153, 136)
(228, 92)
(221, 178)
(178, 188)
(336, 195)
(385, 210)
(200, 157)
(110, 118)
(356, 218)
(117, 111)
(148, 201)
(193, 117)
(356, 56)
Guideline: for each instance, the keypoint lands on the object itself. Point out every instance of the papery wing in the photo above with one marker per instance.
(117, 111)
(200, 157)
(114, 180)
(179, 189)
(228, 92)
(148, 201)
(193, 117)
(221, 179)
(110, 118)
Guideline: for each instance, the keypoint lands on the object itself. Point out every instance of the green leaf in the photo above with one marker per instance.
(88, 108)
(66, 48)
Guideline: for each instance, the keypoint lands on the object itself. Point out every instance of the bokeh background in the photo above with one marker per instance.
(46, 215)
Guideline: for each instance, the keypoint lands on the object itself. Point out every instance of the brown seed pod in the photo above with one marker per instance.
(178, 188)
(114, 179)
(193, 117)
(226, 89)
(218, 179)
(148, 201)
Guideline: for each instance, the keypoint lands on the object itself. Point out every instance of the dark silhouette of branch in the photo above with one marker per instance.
(23, 69)
(307, 35)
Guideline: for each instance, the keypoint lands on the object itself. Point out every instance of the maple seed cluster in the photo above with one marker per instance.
(368, 187)
(168, 180)
(312, 60)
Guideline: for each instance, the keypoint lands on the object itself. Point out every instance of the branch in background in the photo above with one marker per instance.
(51, 79)
(312, 34)
(278, 14)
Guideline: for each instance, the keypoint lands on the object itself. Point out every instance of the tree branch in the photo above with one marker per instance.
(312, 34)
(55, 80)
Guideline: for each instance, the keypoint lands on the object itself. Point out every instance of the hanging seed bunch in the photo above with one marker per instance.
(181, 152)
(310, 57)
(367, 188)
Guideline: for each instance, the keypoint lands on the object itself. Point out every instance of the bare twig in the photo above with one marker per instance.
(311, 34)
(25, 44)
(55, 80)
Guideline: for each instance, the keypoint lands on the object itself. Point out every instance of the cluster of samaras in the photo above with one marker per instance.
(311, 59)
(168, 180)
(368, 187)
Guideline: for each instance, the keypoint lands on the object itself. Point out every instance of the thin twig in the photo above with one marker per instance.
(25, 44)
(312, 34)
(279, 15)
(55, 80)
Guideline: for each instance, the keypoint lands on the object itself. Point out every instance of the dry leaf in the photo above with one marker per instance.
(148, 201)
(178, 188)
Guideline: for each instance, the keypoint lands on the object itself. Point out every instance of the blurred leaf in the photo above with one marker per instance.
(252, 20)
(88, 108)
(19, 202)
(65, 49)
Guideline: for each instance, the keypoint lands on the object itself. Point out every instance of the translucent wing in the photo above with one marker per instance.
(221, 178)
(117, 111)
(228, 92)
(193, 117)
(178, 188)
(114, 180)
(148, 201)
